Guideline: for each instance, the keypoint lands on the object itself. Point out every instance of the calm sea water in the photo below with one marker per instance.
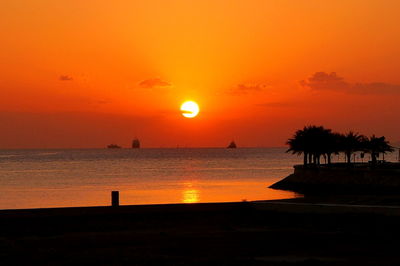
(56, 178)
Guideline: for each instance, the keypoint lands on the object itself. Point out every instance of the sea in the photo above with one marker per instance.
(86, 177)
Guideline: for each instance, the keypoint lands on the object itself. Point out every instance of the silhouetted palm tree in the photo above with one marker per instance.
(376, 145)
(321, 142)
(298, 145)
(351, 142)
(331, 145)
(312, 142)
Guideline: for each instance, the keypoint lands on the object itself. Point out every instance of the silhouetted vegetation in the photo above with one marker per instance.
(314, 142)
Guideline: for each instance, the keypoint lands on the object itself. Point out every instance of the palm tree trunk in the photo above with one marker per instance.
(305, 159)
(348, 155)
(329, 158)
(373, 158)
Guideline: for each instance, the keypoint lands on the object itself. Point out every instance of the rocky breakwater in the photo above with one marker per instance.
(343, 178)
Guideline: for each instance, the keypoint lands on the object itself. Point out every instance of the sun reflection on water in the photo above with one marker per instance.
(190, 196)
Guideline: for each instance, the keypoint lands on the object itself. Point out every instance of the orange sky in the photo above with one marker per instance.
(89, 73)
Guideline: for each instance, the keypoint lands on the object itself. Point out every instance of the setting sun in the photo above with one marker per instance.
(190, 109)
(177, 129)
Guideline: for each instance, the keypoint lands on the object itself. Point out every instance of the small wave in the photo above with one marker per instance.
(9, 155)
(240, 168)
(46, 153)
(33, 171)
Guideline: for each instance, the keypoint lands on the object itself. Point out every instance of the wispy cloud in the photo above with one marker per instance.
(65, 78)
(324, 81)
(153, 83)
(103, 102)
(277, 104)
(247, 88)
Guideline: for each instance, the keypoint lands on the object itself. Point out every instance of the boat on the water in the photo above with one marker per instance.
(136, 143)
(232, 145)
(113, 146)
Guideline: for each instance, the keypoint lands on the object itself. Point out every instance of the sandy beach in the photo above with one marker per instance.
(243, 233)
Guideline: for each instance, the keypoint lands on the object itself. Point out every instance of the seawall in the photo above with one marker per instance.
(343, 179)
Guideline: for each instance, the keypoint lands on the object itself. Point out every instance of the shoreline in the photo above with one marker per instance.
(280, 232)
(341, 202)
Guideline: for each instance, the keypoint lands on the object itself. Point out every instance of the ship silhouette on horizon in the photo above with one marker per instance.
(113, 146)
(136, 143)
(232, 145)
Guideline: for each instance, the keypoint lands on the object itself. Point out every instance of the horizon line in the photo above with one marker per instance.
(129, 148)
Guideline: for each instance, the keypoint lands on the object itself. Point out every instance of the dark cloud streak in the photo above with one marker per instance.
(247, 89)
(65, 78)
(153, 83)
(321, 81)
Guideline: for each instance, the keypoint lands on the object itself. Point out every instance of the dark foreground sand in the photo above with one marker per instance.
(257, 233)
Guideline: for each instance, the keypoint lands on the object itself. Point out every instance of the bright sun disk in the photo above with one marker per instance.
(190, 109)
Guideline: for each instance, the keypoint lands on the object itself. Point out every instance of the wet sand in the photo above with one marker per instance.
(245, 233)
